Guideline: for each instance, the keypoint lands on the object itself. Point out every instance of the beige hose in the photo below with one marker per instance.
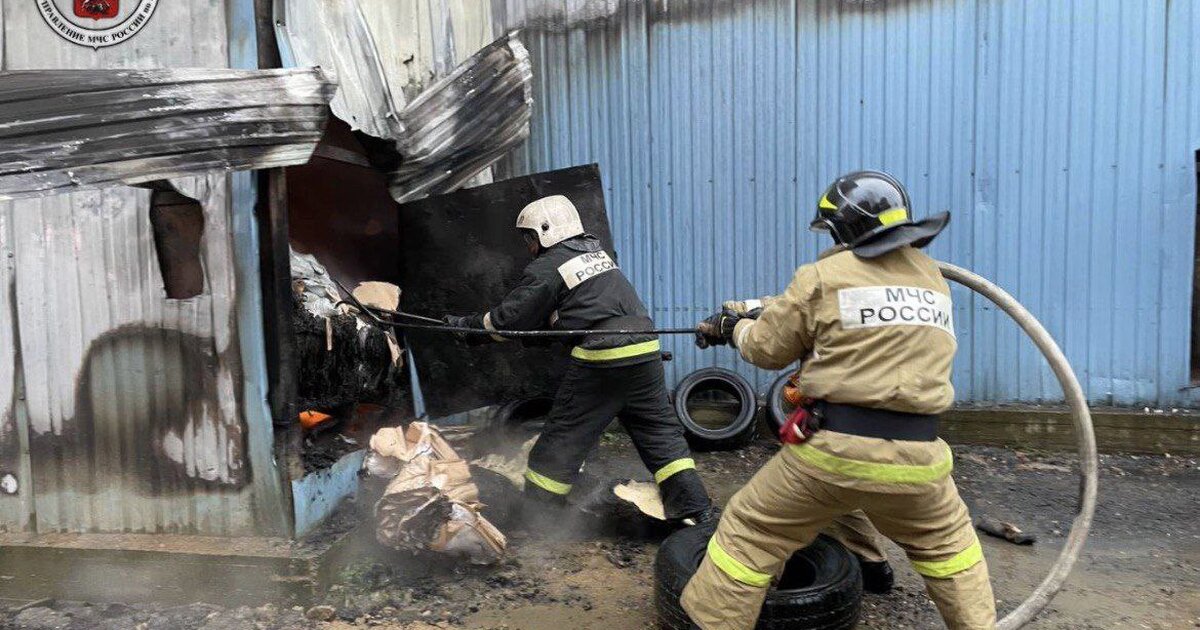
(1083, 433)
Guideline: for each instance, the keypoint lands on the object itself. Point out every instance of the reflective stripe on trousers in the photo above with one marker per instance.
(546, 483)
(960, 562)
(620, 352)
(873, 471)
(677, 466)
(734, 568)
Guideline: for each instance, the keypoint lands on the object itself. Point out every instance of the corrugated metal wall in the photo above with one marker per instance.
(120, 409)
(1060, 133)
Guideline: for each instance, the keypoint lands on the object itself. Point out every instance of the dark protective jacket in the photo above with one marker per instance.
(576, 285)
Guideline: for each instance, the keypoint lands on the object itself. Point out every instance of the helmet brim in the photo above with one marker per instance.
(917, 234)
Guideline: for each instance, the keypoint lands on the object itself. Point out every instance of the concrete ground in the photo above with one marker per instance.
(1141, 567)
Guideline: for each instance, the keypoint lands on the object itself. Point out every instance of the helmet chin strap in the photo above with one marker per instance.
(531, 238)
(833, 233)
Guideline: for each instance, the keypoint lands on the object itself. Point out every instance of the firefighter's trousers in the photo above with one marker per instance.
(586, 403)
(904, 488)
(856, 533)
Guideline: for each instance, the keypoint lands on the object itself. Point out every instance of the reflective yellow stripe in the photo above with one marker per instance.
(893, 216)
(546, 483)
(961, 561)
(734, 569)
(871, 471)
(664, 473)
(622, 352)
(826, 204)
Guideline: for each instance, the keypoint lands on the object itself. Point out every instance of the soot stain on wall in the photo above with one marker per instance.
(10, 446)
(146, 419)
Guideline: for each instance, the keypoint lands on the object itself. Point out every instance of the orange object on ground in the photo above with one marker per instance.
(310, 419)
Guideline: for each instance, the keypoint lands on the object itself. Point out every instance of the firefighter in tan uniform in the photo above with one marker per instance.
(872, 321)
(853, 530)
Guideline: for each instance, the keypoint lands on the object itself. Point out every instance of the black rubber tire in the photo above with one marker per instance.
(736, 434)
(778, 409)
(526, 416)
(825, 592)
(500, 498)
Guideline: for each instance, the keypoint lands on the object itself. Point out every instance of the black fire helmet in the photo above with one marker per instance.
(868, 213)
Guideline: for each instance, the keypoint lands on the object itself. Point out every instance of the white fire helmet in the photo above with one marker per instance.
(554, 218)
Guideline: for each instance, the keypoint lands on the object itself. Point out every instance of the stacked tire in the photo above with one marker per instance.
(698, 401)
(820, 587)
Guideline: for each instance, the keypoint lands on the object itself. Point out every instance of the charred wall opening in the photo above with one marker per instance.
(339, 210)
(351, 377)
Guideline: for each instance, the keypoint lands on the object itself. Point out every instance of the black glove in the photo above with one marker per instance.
(466, 321)
(717, 330)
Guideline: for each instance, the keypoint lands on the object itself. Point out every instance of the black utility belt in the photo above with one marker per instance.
(876, 423)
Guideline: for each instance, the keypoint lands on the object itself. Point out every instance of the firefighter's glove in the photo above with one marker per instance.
(466, 321)
(749, 309)
(718, 329)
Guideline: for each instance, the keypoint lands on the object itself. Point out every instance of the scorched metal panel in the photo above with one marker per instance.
(61, 130)
(90, 334)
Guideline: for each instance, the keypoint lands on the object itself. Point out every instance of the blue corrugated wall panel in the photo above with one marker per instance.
(1061, 134)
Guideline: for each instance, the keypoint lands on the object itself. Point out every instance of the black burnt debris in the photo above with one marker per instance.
(343, 361)
(351, 375)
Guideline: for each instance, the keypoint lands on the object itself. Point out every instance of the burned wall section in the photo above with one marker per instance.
(461, 254)
(84, 271)
(130, 401)
(10, 446)
(145, 403)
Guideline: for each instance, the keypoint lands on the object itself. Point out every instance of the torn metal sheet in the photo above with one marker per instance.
(316, 495)
(62, 130)
(336, 37)
(461, 254)
(451, 131)
(466, 121)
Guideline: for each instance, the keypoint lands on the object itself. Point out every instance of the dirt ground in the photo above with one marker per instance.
(1141, 567)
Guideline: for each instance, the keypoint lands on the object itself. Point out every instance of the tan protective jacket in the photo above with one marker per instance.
(872, 332)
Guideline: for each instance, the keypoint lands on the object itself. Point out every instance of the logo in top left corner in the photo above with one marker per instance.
(96, 23)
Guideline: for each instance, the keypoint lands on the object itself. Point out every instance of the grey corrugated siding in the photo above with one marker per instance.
(86, 283)
(1060, 134)
(452, 127)
(465, 121)
(63, 130)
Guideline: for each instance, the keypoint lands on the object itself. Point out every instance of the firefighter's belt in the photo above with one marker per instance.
(876, 423)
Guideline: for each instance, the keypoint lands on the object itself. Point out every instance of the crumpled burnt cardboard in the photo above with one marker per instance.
(430, 503)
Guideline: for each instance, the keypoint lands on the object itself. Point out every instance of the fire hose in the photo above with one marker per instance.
(1072, 393)
(373, 313)
(1082, 419)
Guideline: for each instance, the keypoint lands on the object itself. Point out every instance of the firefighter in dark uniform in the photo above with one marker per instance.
(573, 284)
